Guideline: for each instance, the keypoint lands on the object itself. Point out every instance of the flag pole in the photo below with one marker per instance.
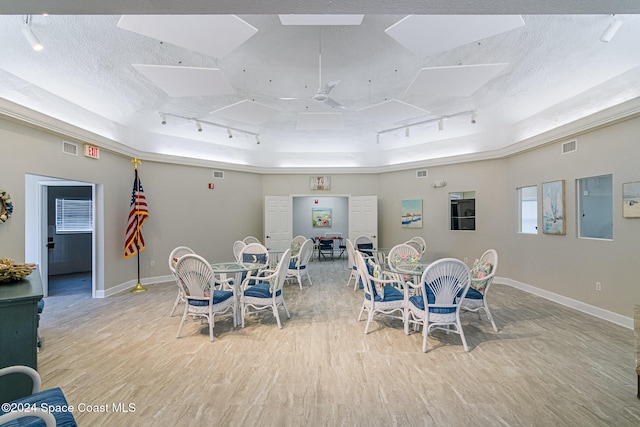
(138, 287)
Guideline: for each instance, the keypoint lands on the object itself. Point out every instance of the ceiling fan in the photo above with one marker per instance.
(322, 95)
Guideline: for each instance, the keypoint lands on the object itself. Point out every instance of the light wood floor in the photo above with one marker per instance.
(548, 365)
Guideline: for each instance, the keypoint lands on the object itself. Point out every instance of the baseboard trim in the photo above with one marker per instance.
(601, 313)
(127, 286)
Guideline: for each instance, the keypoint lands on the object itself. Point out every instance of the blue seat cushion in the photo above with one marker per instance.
(218, 297)
(55, 401)
(40, 306)
(418, 302)
(260, 290)
(473, 294)
(293, 265)
(390, 294)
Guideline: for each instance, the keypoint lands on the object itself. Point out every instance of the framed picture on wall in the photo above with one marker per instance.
(321, 217)
(411, 213)
(631, 199)
(320, 183)
(553, 210)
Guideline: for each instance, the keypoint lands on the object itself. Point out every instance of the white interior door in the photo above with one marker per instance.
(363, 218)
(277, 222)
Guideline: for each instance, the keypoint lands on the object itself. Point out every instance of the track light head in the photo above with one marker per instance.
(474, 118)
(229, 134)
(258, 139)
(407, 132)
(163, 118)
(30, 36)
(198, 126)
(611, 30)
(377, 138)
(441, 124)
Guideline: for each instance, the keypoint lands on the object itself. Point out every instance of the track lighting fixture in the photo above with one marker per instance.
(611, 30)
(199, 123)
(30, 36)
(440, 120)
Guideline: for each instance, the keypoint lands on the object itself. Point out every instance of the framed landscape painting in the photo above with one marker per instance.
(631, 200)
(411, 213)
(321, 217)
(553, 215)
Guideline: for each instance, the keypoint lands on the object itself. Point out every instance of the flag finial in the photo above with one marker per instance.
(135, 162)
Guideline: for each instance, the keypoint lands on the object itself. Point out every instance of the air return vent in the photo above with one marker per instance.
(218, 174)
(69, 148)
(570, 146)
(422, 174)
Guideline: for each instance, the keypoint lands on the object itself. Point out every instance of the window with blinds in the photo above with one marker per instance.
(74, 216)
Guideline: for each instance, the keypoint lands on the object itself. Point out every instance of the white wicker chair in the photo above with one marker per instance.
(402, 253)
(353, 268)
(444, 284)
(384, 293)
(298, 264)
(203, 299)
(174, 256)
(476, 298)
(421, 244)
(251, 239)
(364, 244)
(264, 291)
(238, 245)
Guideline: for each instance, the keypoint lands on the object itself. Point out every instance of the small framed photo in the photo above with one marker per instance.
(631, 199)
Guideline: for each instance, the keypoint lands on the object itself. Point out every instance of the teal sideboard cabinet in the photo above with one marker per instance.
(19, 333)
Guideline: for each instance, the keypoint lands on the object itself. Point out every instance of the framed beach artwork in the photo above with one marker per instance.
(553, 210)
(411, 213)
(631, 199)
(321, 217)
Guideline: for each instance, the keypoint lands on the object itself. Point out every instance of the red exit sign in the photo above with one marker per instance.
(91, 151)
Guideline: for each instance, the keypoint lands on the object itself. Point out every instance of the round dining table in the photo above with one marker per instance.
(236, 268)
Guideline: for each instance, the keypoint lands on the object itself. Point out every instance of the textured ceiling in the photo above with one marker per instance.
(115, 82)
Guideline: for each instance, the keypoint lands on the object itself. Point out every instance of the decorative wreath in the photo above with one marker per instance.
(6, 207)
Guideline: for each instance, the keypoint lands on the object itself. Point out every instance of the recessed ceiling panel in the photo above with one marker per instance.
(321, 19)
(213, 35)
(457, 80)
(247, 111)
(186, 81)
(320, 121)
(425, 35)
(392, 111)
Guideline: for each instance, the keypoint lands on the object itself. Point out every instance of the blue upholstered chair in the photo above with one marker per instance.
(203, 299)
(53, 398)
(482, 274)
(298, 265)
(384, 293)
(444, 285)
(325, 248)
(266, 290)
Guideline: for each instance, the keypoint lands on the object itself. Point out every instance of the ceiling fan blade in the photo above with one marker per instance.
(329, 86)
(332, 103)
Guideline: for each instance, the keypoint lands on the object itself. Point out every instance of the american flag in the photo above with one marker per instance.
(138, 213)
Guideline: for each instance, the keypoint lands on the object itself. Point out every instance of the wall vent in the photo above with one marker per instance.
(422, 174)
(218, 174)
(69, 148)
(570, 146)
